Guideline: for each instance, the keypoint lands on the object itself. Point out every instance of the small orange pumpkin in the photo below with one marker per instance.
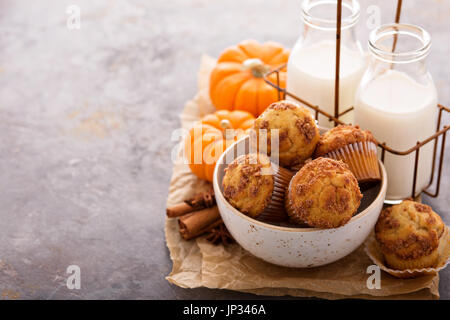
(209, 138)
(237, 83)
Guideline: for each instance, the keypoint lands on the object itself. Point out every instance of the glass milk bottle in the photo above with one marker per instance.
(312, 64)
(397, 101)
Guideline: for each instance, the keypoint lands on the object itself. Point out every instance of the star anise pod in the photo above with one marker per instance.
(220, 234)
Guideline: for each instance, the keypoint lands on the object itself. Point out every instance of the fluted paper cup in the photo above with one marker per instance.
(361, 157)
(275, 210)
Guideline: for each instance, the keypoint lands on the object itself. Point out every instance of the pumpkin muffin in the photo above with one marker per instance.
(298, 133)
(323, 194)
(409, 235)
(256, 187)
(356, 147)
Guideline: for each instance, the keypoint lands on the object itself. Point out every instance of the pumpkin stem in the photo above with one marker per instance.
(226, 124)
(258, 68)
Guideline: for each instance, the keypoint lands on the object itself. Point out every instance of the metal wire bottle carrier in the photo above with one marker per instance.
(282, 93)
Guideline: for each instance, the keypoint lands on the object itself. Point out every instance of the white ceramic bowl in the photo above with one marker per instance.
(291, 246)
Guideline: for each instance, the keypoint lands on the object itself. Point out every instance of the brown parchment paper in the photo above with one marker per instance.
(197, 263)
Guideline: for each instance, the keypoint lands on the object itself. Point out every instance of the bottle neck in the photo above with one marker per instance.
(320, 24)
(400, 47)
(322, 14)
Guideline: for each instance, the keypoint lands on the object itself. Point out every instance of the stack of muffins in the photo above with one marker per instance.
(325, 191)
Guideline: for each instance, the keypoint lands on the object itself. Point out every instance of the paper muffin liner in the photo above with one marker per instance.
(374, 252)
(362, 159)
(275, 209)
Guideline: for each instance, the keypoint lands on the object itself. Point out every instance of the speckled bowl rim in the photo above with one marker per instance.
(219, 197)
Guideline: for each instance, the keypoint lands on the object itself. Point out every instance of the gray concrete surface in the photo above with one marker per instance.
(85, 124)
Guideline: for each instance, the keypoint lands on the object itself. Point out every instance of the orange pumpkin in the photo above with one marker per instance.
(209, 138)
(237, 83)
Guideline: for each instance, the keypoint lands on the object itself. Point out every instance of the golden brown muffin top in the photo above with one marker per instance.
(248, 183)
(298, 132)
(409, 230)
(341, 136)
(324, 194)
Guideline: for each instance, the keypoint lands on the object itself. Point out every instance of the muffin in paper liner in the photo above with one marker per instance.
(374, 252)
(361, 157)
(256, 186)
(354, 146)
(275, 210)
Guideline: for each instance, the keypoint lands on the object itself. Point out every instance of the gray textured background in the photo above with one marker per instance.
(85, 123)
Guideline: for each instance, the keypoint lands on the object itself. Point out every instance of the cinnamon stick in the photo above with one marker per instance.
(197, 202)
(199, 222)
(179, 210)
